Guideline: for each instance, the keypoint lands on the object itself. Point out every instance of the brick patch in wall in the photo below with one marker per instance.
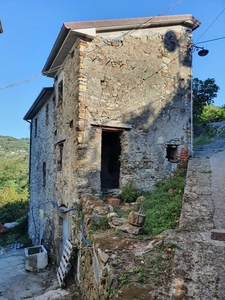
(184, 156)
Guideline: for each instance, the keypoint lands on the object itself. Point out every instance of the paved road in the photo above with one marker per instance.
(16, 283)
(199, 266)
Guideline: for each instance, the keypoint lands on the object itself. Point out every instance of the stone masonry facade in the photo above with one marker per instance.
(119, 112)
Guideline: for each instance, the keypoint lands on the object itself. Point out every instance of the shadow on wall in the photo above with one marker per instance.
(168, 107)
(171, 43)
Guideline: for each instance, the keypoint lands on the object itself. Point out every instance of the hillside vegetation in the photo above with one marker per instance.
(14, 190)
(13, 148)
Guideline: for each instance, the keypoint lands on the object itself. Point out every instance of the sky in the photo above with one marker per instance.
(31, 28)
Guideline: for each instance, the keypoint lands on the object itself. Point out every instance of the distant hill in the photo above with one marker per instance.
(11, 147)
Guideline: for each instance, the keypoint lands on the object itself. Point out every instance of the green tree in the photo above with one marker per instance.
(14, 180)
(203, 94)
(212, 113)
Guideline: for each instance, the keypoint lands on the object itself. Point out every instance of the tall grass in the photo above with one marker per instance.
(162, 206)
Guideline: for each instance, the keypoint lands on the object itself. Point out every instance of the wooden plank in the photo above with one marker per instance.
(68, 243)
(59, 279)
(66, 256)
(60, 272)
(64, 262)
(68, 249)
(62, 269)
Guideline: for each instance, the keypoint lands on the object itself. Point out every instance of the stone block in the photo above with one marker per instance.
(136, 219)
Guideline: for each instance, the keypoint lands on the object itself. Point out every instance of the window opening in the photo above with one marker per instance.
(44, 173)
(60, 157)
(47, 115)
(172, 153)
(110, 163)
(60, 93)
(35, 127)
(53, 100)
(71, 124)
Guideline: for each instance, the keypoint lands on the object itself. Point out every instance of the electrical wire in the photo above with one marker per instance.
(152, 18)
(220, 38)
(107, 42)
(211, 24)
(98, 48)
(31, 78)
(21, 82)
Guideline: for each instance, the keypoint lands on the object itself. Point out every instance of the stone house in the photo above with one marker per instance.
(119, 112)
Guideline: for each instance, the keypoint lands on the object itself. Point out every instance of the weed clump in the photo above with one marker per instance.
(162, 206)
(129, 193)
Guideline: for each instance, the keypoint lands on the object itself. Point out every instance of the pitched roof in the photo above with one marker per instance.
(42, 98)
(72, 30)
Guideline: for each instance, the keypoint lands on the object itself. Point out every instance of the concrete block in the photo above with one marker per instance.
(36, 258)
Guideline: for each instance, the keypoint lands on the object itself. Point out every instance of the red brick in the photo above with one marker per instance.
(114, 201)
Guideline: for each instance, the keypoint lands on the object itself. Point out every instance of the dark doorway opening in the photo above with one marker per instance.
(110, 164)
(172, 153)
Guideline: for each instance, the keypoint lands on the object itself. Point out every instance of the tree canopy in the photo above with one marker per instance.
(204, 93)
(14, 165)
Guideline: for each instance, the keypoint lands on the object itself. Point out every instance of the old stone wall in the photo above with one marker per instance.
(140, 81)
(42, 175)
(137, 85)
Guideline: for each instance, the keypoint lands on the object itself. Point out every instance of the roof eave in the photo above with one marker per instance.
(72, 30)
(42, 98)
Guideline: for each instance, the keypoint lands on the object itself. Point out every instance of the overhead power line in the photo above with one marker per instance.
(99, 47)
(210, 24)
(136, 28)
(220, 38)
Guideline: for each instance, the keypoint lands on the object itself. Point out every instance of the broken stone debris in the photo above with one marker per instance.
(11, 225)
(16, 246)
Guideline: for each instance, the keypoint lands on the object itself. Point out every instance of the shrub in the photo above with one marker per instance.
(162, 206)
(129, 193)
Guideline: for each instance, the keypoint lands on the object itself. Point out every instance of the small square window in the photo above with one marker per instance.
(172, 153)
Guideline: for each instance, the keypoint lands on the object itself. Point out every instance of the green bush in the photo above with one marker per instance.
(162, 207)
(12, 211)
(212, 113)
(129, 193)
